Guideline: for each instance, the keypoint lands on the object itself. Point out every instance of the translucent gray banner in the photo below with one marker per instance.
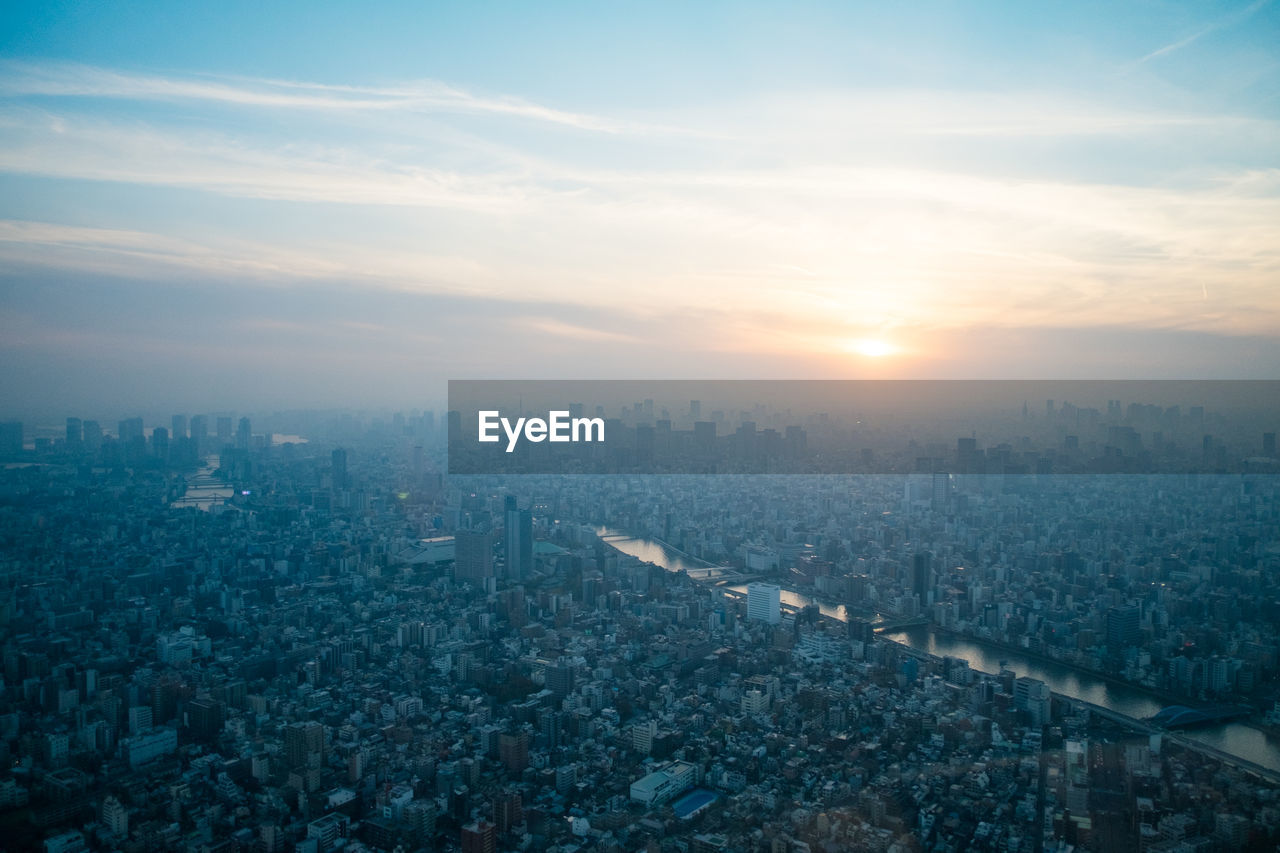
(863, 427)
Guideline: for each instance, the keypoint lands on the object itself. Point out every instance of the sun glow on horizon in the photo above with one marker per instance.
(873, 347)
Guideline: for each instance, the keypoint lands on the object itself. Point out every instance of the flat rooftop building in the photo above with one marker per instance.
(663, 784)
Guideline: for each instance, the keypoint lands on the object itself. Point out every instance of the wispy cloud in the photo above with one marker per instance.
(1223, 23)
(72, 147)
(878, 209)
(159, 257)
(560, 329)
(73, 80)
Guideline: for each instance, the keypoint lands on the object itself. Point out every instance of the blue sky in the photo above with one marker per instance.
(353, 205)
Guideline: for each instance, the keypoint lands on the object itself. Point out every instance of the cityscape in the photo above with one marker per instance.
(720, 427)
(298, 632)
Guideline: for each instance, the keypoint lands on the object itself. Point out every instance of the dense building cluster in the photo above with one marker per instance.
(330, 645)
(1166, 581)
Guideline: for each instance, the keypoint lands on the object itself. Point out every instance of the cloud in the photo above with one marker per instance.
(1223, 23)
(64, 80)
(560, 329)
(74, 147)
(869, 210)
(165, 260)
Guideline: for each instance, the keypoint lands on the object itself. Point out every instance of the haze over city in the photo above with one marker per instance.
(678, 428)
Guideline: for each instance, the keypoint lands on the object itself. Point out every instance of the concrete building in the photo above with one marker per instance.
(764, 603)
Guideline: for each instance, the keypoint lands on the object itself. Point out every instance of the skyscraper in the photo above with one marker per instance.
(304, 744)
(75, 432)
(160, 442)
(199, 429)
(1123, 626)
(508, 810)
(133, 441)
(921, 573)
(473, 555)
(940, 495)
(129, 430)
(704, 436)
(92, 431)
(339, 459)
(243, 434)
(517, 539)
(764, 603)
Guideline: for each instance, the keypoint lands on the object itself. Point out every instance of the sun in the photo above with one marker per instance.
(872, 347)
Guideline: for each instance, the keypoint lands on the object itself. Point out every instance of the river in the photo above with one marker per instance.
(204, 488)
(1235, 738)
(652, 551)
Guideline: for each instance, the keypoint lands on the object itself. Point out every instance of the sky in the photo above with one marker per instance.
(244, 205)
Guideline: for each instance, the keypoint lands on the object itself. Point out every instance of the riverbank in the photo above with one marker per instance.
(685, 554)
(602, 531)
(1183, 739)
(1253, 721)
(1237, 742)
(204, 488)
(1154, 693)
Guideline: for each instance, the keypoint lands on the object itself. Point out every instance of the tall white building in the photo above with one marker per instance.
(764, 603)
(115, 817)
(642, 735)
(754, 702)
(1034, 697)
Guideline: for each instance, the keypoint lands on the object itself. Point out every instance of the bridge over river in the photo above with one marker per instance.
(1183, 717)
(734, 582)
(1230, 739)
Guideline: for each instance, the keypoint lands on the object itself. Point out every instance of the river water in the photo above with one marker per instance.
(650, 551)
(1235, 738)
(204, 489)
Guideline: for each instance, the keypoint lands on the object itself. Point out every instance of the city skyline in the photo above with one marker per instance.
(216, 201)
(679, 428)
(329, 645)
